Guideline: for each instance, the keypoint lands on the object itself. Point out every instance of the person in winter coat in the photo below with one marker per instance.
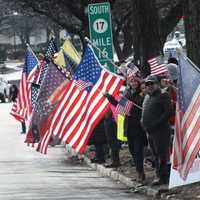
(136, 135)
(137, 139)
(156, 113)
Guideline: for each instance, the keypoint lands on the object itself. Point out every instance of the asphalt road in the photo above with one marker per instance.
(26, 174)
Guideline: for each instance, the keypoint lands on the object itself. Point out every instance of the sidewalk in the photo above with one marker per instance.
(126, 174)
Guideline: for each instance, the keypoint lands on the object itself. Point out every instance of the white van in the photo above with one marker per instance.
(172, 45)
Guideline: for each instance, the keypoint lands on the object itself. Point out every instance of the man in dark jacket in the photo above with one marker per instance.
(155, 119)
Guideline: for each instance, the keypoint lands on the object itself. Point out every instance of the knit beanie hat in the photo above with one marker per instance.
(172, 71)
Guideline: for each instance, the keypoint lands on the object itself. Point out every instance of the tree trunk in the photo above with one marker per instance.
(192, 30)
(48, 32)
(56, 31)
(116, 44)
(128, 42)
(146, 32)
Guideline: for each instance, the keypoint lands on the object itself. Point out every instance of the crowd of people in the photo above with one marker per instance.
(149, 124)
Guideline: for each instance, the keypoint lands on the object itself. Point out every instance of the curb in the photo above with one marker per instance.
(117, 176)
(135, 187)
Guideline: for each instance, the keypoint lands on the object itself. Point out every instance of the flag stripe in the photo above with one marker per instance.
(191, 153)
(177, 157)
(100, 104)
(68, 103)
(73, 113)
(191, 109)
(189, 129)
(155, 67)
(91, 101)
(73, 117)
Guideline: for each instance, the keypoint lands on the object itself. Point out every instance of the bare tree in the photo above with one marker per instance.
(192, 29)
(143, 24)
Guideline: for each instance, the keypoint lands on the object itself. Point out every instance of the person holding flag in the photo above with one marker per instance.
(137, 139)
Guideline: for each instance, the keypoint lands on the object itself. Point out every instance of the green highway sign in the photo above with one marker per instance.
(101, 31)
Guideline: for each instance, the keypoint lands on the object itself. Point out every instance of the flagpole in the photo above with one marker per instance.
(137, 105)
(32, 52)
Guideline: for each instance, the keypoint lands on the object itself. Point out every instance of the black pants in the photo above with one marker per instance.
(111, 135)
(23, 127)
(160, 143)
(100, 151)
(136, 148)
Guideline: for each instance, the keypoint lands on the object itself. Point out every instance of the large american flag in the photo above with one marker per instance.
(79, 111)
(187, 134)
(23, 107)
(124, 106)
(157, 66)
(54, 77)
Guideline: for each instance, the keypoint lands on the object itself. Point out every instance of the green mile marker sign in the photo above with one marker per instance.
(101, 31)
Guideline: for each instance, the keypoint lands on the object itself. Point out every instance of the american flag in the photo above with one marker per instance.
(41, 70)
(49, 54)
(79, 111)
(132, 72)
(81, 85)
(124, 106)
(187, 132)
(39, 76)
(24, 109)
(53, 78)
(15, 114)
(156, 66)
(35, 88)
(51, 50)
